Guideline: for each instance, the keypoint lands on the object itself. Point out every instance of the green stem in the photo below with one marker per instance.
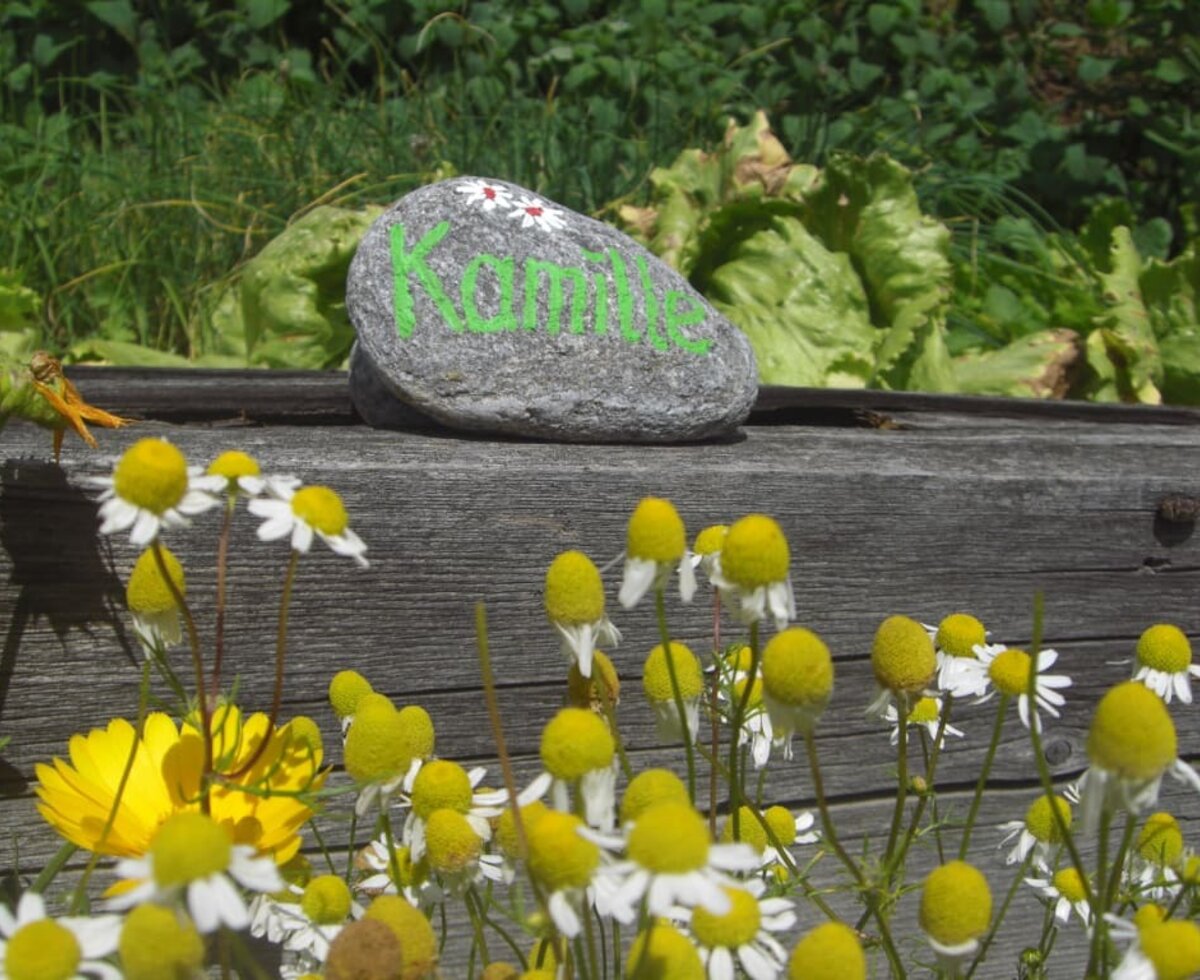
(902, 710)
(988, 759)
(1095, 953)
(736, 790)
(998, 918)
(475, 910)
(660, 608)
(285, 601)
(222, 568)
(714, 713)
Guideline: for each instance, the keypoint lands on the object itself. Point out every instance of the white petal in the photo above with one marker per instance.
(635, 583)
(145, 529)
(687, 579)
(564, 915)
(756, 965)
(302, 537)
(720, 964)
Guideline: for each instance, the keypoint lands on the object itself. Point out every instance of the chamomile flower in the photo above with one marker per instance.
(486, 194)
(752, 571)
(454, 850)
(33, 945)
(309, 924)
(305, 512)
(649, 787)
(193, 859)
(346, 689)
(706, 549)
(956, 910)
(1131, 744)
(655, 546)
(1038, 834)
(410, 926)
(1162, 949)
(533, 212)
(578, 750)
(563, 862)
(158, 942)
(1008, 672)
(152, 488)
(927, 713)
(1157, 852)
(242, 475)
(831, 951)
(670, 861)
(379, 751)
(797, 676)
(903, 661)
(398, 874)
(656, 683)
(955, 640)
(662, 952)
(151, 601)
(757, 729)
(1163, 662)
(787, 828)
(1068, 893)
(574, 599)
(743, 934)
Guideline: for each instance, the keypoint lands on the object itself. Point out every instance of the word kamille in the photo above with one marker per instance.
(583, 291)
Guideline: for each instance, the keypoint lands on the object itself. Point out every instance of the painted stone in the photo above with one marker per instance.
(486, 307)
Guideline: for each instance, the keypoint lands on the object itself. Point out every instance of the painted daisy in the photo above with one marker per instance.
(927, 713)
(670, 861)
(193, 858)
(306, 512)
(152, 488)
(535, 213)
(655, 546)
(1131, 744)
(487, 194)
(1065, 889)
(1038, 834)
(743, 933)
(34, 945)
(1008, 672)
(574, 600)
(752, 571)
(1163, 662)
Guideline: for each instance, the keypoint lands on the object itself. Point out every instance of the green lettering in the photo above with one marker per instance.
(405, 263)
(505, 318)
(690, 314)
(624, 298)
(651, 302)
(601, 327)
(556, 276)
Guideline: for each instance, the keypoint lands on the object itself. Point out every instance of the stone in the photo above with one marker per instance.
(486, 307)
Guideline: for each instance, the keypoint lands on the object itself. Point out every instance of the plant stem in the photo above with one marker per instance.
(660, 608)
(997, 729)
(736, 790)
(714, 713)
(998, 918)
(222, 568)
(901, 780)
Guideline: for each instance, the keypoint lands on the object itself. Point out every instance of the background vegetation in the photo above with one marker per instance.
(149, 150)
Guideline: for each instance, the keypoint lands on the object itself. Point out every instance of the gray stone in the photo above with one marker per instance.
(487, 307)
(375, 404)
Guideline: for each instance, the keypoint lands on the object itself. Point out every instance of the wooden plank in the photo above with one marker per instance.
(953, 511)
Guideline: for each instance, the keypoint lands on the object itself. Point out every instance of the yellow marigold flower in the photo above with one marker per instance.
(76, 797)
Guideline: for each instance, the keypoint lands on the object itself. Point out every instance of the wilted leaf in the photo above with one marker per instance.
(1038, 365)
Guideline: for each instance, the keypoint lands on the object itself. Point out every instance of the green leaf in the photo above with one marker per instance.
(1170, 70)
(1038, 365)
(263, 13)
(1092, 69)
(882, 18)
(117, 14)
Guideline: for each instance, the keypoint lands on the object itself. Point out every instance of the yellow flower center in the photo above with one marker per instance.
(42, 950)
(451, 842)
(152, 475)
(304, 735)
(739, 658)
(1069, 885)
(233, 463)
(958, 635)
(924, 712)
(750, 831)
(409, 925)
(375, 749)
(797, 668)
(648, 788)
(1010, 672)
(157, 944)
(755, 552)
(1132, 733)
(1164, 647)
(1173, 947)
(574, 742)
(603, 687)
(416, 731)
(656, 532)
(189, 846)
(441, 784)
(735, 928)
(574, 591)
(831, 951)
(711, 540)
(1189, 874)
(1161, 840)
(902, 655)
(326, 900)
(782, 824)
(956, 904)
(367, 948)
(320, 508)
(345, 691)
(656, 675)
(669, 838)
(1149, 915)
(1040, 822)
(148, 592)
(558, 856)
(662, 952)
(756, 692)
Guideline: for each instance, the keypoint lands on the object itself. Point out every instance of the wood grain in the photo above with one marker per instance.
(951, 509)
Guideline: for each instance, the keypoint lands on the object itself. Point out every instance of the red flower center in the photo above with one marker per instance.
(534, 212)
(489, 193)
